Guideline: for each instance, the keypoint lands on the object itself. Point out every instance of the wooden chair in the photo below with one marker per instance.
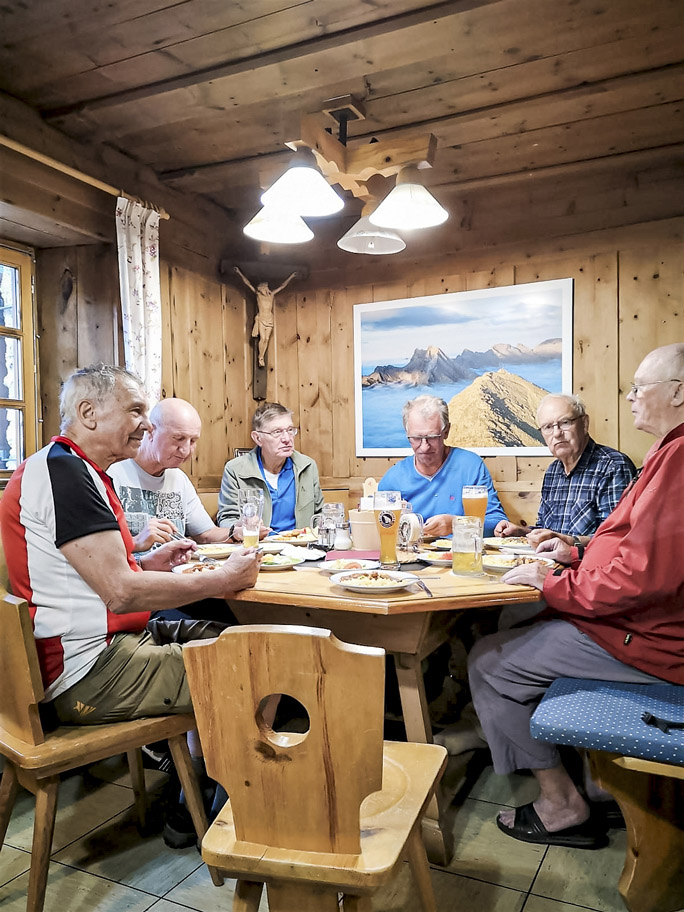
(316, 814)
(35, 759)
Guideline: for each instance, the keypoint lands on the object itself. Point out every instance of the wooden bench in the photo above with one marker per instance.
(640, 765)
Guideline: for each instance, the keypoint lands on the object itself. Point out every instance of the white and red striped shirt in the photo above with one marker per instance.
(56, 496)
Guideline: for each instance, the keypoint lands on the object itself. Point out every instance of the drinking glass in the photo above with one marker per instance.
(387, 507)
(251, 503)
(410, 527)
(474, 499)
(466, 546)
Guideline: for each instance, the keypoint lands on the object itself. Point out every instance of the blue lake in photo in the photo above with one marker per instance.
(382, 405)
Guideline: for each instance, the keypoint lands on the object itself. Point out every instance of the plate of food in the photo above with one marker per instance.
(349, 563)
(501, 563)
(304, 536)
(516, 543)
(441, 544)
(196, 567)
(280, 562)
(215, 549)
(439, 558)
(374, 580)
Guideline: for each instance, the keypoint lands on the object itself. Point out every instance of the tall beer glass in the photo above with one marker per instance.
(474, 499)
(387, 507)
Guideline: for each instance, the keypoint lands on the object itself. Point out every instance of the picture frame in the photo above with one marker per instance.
(455, 346)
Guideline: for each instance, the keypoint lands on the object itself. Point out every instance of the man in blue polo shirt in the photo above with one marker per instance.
(289, 480)
(433, 478)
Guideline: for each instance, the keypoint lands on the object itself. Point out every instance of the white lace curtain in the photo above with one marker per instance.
(137, 235)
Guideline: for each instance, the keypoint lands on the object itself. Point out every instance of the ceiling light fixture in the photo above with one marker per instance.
(409, 205)
(303, 189)
(278, 226)
(364, 237)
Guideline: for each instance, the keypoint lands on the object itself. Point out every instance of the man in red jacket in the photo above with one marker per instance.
(615, 614)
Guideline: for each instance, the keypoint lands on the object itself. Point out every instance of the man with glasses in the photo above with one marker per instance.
(614, 615)
(289, 480)
(584, 483)
(433, 478)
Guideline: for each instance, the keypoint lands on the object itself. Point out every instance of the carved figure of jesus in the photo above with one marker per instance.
(263, 319)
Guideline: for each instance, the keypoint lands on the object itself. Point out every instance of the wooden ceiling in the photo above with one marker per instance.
(206, 92)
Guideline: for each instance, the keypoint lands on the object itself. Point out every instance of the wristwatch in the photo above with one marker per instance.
(576, 542)
(230, 532)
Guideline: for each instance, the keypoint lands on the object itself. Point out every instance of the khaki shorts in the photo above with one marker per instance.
(132, 678)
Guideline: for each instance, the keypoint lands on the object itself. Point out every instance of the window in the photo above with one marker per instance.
(18, 379)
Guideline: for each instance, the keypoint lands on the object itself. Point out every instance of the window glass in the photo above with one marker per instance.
(10, 368)
(10, 299)
(11, 438)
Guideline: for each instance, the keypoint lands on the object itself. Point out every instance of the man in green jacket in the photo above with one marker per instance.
(289, 480)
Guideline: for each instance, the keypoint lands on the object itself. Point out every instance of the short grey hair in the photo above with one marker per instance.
(266, 412)
(426, 406)
(96, 382)
(578, 407)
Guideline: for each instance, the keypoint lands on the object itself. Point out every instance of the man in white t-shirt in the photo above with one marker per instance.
(158, 498)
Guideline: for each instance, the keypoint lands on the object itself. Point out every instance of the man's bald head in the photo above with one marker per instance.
(657, 395)
(172, 439)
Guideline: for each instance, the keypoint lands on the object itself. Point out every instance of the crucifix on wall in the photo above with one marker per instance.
(263, 326)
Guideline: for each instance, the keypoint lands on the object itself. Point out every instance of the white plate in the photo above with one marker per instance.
(216, 549)
(342, 564)
(517, 545)
(441, 544)
(400, 580)
(270, 547)
(438, 558)
(195, 567)
(502, 563)
(305, 537)
(287, 564)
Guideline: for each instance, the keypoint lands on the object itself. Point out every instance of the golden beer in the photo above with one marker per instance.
(466, 563)
(466, 546)
(474, 499)
(387, 522)
(250, 539)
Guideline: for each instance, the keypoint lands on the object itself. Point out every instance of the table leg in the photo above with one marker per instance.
(418, 728)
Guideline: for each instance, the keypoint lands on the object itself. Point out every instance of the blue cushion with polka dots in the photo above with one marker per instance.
(603, 715)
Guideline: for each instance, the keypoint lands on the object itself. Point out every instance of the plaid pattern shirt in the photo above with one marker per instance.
(576, 504)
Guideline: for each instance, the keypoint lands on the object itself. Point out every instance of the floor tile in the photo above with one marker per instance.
(482, 851)
(116, 850)
(12, 863)
(512, 790)
(81, 806)
(587, 878)
(69, 890)
(198, 892)
(115, 769)
(452, 894)
(538, 904)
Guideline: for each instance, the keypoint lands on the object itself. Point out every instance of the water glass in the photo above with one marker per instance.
(466, 546)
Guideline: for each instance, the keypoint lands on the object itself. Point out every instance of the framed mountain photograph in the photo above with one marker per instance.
(490, 354)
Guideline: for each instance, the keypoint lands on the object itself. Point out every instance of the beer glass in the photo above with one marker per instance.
(387, 507)
(251, 503)
(466, 546)
(474, 499)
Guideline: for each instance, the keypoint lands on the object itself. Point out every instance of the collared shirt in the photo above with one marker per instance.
(577, 503)
(283, 498)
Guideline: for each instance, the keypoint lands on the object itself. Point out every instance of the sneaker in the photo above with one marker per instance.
(157, 757)
(179, 830)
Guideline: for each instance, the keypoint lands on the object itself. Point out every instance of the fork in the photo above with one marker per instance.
(424, 587)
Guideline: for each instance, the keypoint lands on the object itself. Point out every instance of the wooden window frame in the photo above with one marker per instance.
(23, 260)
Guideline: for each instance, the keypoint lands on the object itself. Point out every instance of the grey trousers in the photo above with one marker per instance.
(509, 673)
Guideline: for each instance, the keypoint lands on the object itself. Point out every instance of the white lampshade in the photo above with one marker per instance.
(366, 238)
(409, 206)
(276, 226)
(303, 189)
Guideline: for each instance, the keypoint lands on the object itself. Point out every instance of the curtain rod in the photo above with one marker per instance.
(72, 172)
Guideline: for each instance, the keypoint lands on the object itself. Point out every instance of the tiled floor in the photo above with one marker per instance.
(101, 864)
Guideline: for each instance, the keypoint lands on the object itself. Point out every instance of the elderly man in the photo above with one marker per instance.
(614, 615)
(289, 480)
(433, 478)
(158, 498)
(584, 483)
(70, 555)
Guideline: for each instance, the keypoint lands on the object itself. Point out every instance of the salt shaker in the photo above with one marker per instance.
(343, 540)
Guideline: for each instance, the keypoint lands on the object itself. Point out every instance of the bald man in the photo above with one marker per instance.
(157, 497)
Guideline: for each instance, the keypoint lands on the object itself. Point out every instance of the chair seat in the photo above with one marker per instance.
(606, 716)
(387, 818)
(69, 746)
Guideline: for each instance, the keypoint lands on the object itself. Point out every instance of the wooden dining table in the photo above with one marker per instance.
(409, 624)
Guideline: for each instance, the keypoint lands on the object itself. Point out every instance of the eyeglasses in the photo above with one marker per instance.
(563, 425)
(428, 438)
(636, 388)
(281, 433)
